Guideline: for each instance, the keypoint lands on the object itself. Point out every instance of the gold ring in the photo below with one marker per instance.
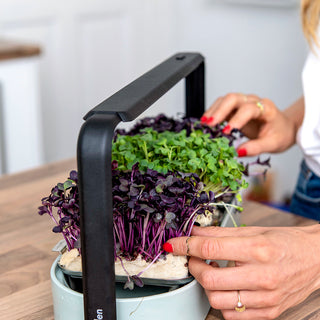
(260, 105)
(240, 307)
(187, 243)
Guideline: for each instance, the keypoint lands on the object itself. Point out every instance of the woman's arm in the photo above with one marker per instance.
(296, 113)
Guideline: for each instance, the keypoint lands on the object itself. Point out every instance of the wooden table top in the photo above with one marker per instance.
(26, 243)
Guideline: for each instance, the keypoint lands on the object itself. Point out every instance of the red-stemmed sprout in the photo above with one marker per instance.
(62, 205)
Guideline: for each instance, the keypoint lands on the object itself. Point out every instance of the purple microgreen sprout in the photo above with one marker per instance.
(62, 205)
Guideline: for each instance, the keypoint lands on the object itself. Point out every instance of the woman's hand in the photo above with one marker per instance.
(269, 129)
(275, 268)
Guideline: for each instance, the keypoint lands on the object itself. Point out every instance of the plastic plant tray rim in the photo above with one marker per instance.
(54, 278)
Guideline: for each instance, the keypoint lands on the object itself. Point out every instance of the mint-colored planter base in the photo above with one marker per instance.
(189, 302)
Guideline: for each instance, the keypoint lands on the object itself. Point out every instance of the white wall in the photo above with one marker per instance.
(93, 48)
(249, 49)
(90, 50)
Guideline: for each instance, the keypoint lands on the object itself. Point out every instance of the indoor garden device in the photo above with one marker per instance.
(100, 300)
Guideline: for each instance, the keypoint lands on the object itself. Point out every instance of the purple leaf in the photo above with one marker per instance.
(57, 229)
(137, 281)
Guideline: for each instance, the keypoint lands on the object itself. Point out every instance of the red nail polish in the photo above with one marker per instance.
(209, 120)
(203, 119)
(226, 129)
(242, 152)
(167, 247)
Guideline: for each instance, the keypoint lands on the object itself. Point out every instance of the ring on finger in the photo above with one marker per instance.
(260, 105)
(240, 307)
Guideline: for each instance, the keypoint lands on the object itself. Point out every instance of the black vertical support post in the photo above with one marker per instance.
(95, 173)
(95, 187)
(195, 92)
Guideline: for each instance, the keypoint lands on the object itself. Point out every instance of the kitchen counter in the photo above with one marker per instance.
(26, 242)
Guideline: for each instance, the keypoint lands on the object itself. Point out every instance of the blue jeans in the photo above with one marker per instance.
(306, 197)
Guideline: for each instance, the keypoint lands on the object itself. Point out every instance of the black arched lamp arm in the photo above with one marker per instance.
(94, 167)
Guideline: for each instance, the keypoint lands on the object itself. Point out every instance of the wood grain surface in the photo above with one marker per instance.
(26, 242)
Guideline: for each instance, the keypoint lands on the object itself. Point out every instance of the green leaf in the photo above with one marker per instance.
(238, 197)
(68, 184)
(198, 141)
(194, 163)
(233, 185)
(164, 151)
(203, 152)
(60, 186)
(144, 163)
(213, 159)
(211, 165)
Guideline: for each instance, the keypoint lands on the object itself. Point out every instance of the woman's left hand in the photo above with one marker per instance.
(275, 268)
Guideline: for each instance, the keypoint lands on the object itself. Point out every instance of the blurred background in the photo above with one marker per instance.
(59, 59)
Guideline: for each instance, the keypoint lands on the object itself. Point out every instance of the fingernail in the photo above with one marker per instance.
(209, 120)
(226, 129)
(203, 119)
(242, 152)
(167, 247)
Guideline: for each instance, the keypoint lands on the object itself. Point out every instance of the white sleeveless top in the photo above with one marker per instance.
(308, 136)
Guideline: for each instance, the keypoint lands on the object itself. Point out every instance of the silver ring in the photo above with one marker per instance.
(240, 307)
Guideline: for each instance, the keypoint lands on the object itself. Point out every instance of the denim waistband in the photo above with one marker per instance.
(305, 170)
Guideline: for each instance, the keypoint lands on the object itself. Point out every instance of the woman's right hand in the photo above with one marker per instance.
(275, 268)
(268, 129)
